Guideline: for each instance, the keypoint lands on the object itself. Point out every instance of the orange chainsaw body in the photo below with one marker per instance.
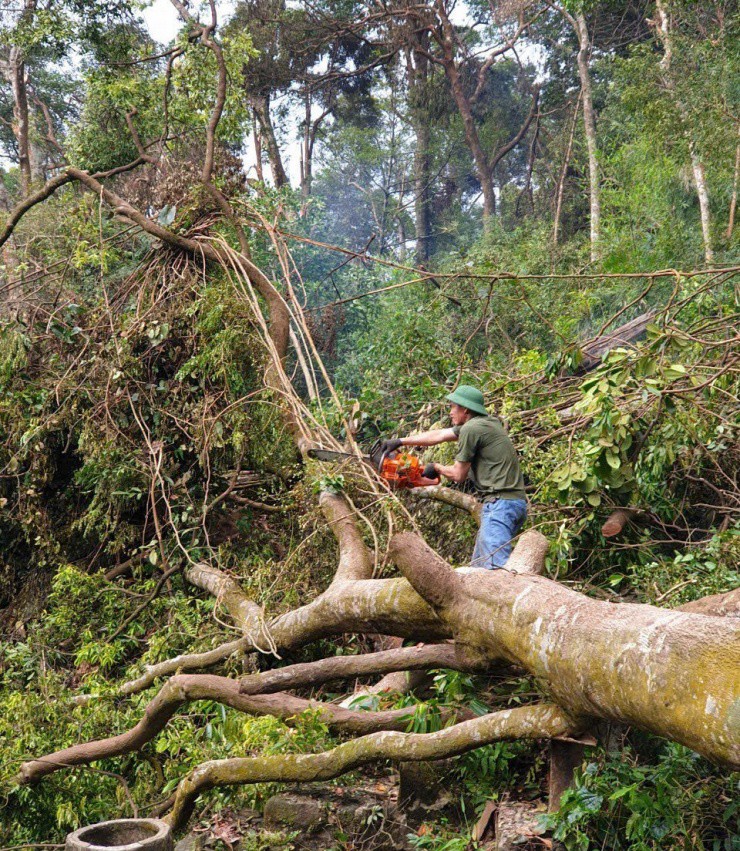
(403, 471)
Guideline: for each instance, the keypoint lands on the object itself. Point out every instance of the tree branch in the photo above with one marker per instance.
(512, 143)
(190, 687)
(342, 667)
(31, 201)
(528, 722)
(354, 558)
(450, 496)
(716, 605)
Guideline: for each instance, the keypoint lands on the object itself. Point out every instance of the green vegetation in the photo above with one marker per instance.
(141, 432)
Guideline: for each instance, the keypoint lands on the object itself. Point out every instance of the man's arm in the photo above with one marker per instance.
(429, 438)
(457, 472)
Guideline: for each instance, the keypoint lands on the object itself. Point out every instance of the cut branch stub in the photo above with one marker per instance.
(529, 554)
(245, 612)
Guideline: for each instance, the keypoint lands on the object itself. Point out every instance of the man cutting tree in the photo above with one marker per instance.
(486, 454)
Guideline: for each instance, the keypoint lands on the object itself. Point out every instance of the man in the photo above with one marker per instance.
(486, 454)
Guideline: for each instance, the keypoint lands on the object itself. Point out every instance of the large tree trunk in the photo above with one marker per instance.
(673, 673)
(261, 106)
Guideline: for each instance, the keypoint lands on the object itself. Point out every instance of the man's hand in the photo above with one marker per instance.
(430, 471)
(391, 445)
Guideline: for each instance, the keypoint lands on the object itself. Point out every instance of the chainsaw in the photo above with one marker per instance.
(401, 470)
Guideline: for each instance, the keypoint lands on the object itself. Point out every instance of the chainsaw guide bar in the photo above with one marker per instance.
(330, 455)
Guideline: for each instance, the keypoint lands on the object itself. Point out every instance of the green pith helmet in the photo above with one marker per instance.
(468, 397)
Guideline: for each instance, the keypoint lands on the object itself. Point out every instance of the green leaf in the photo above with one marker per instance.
(614, 461)
(674, 371)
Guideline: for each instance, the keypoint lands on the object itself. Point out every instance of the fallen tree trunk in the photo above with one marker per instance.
(675, 673)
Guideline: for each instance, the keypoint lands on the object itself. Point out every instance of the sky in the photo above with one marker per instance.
(162, 20)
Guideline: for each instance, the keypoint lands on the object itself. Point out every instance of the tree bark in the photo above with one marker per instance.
(16, 75)
(673, 673)
(589, 125)
(733, 198)
(261, 107)
(526, 722)
(417, 65)
(257, 147)
(563, 172)
(565, 758)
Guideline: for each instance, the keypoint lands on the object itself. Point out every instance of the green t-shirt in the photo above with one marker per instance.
(493, 460)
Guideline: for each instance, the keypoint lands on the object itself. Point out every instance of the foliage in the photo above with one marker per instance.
(131, 375)
(676, 800)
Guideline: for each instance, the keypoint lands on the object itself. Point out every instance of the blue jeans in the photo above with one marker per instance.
(499, 523)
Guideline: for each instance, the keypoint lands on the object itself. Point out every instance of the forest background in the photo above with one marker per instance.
(483, 192)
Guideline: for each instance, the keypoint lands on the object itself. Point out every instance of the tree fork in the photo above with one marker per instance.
(674, 673)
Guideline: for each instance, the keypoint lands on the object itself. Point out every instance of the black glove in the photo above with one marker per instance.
(390, 445)
(430, 472)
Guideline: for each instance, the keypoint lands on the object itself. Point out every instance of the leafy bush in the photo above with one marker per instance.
(676, 800)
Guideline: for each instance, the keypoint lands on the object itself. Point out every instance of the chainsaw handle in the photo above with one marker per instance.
(430, 472)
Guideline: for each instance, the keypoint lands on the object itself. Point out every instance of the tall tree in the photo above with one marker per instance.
(467, 77)
(578, 22)
(664, 30)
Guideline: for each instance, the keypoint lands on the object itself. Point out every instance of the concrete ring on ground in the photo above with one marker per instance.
(130, 834)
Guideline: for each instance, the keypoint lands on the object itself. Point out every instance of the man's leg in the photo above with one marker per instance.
(500, 522)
